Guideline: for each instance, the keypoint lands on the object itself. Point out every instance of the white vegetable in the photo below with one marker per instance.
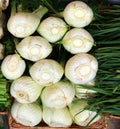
(58, 95)
(25, 90)
(34, 48)
(46, 72)
(78, 40)
(26, 114)
(57, 117)
(81, 68)
(78, 14)
(23, 24)
(4, 4)
(82, 92)
(52, 28)
(2, 49)
(13, 66)
(80, 115)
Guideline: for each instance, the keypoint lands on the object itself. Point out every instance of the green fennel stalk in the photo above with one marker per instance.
(106, 32)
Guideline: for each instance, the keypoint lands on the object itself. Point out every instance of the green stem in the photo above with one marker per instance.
(15, 40)
(3, 100)
(19, 8)
(13, 8)
(107, 101)
(2, 92)
(40, 11)
(54, 11)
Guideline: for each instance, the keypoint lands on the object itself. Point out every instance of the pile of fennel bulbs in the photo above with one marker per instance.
(43, 78)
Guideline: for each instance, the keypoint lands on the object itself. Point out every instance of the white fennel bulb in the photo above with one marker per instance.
(81, 68)
(78, 14)
(23, 24)
(25, 90)
(58, 95)
(2, 49)
(26, 114)
(13, 66)
(82, 92)
(46, 72)
(82, 116)
(57, 117)
(52, 28)
(4, 4)
(34, 48)
(78, 40)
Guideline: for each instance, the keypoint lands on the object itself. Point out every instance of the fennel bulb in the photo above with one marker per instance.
(27, 114)
(4, 4)
(81, 92)
(57, 117)
(81, 68)
(2, 49)
(80, 115)
(78, 40)
(25, 90)
(46, 72)
(58, 95)
(78, 14)
(23, 24)
(34, 48)
(52, 28)
(13, 66)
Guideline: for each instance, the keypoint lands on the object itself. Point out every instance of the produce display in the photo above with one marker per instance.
(4, 95)
(59, 61)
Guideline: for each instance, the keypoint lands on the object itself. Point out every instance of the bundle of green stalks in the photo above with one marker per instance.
(4, 95)
(106, 31)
